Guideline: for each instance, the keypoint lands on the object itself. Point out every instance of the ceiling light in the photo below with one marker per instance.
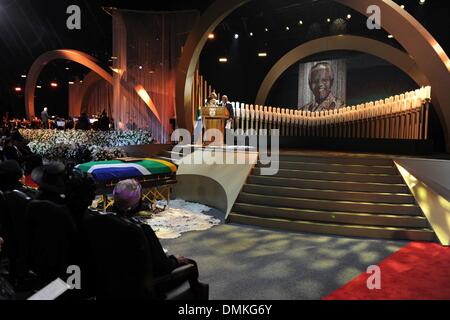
(236, 36)
(287, 29)
(262, 54)
(39, 87)
(266, 29)
(54, 85)
(328, 20)
(390, 36)
(71, 82)
(349, 16)
(23, 76)
(300, 22)
(211, 36)
(422, 2)
(223, 60)
(18, 89)
(251, 34)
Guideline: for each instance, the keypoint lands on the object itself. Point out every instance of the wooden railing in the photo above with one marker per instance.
(402, 117)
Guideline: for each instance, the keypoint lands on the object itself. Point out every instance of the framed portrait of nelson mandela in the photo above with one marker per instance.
(322, 85)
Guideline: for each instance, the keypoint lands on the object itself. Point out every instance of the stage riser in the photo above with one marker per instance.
(350, 160)
(328, 185)
(339, 230)
(331, 217)
(335, 176)
(312, 204)
(344, 168)
(349, 195)
(329, 194)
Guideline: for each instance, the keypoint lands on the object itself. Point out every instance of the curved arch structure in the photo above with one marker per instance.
(418, 42)
(72, 55)
(344, 42)
(90, 63)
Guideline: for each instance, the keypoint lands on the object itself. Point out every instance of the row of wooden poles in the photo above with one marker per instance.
(403, 116)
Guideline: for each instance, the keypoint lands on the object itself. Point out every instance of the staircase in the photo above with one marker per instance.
(347, 195)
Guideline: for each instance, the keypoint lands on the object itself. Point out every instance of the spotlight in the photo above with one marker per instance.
(39, 87)
(18, 89)
(71, 82)
(262, 54)
(23, 76)
(328, 20)
(300, 22)
(402, 6)
(141, 67)
(211, 36)
(251, 34)
(236, 36)
(390, 36)
(287, 28)
(54, 85)
(422, 2)
(266, 29)
(67, 68)
(349, 16)
(223, 60)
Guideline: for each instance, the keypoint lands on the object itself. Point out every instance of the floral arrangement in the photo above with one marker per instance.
(82, 146)
(97, 138)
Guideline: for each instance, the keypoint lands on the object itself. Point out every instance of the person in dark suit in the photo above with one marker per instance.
(226, 104)
(44, 118)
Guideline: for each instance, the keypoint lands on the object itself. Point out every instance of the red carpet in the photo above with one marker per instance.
(419, 271)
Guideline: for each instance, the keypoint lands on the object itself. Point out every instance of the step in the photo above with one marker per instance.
(393, 198)
(346, 206)
(336, 229)
(335, 176)
(328, 185)
(330, 217)
(351, 159)
(346, 168)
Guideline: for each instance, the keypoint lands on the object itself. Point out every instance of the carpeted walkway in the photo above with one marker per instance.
(419, 271)
(241, 262)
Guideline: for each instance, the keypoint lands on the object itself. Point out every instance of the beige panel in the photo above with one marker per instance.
(231, 177)
(435, 207)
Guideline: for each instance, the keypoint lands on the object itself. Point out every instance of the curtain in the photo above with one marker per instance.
(146, 50)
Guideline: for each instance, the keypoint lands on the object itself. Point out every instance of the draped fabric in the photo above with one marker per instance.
(99, 99)
(146, 51)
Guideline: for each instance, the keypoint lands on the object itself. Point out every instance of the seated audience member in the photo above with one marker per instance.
(103, 122)
(84, 123)
(11, 175)
(10, 151)
(51, 180)
(6, 290)
(80, 193)
(127, 203)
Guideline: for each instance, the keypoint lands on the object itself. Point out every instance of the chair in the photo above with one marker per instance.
(122, 267)
(52, 239)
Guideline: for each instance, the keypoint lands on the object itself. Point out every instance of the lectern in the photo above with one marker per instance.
(215, 118)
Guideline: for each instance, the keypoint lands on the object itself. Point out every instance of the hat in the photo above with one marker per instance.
(10, 172)
(127, 195)
(50, 177)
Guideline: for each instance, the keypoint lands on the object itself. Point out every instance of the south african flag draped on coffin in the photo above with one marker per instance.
(103, 171)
